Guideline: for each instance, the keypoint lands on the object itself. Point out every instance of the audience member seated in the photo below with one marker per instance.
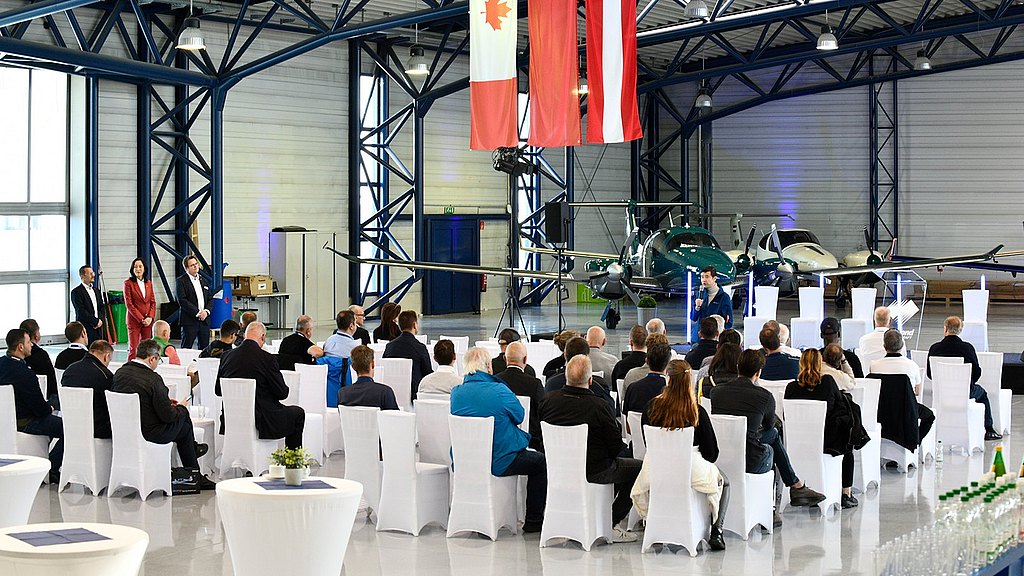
(40, 363)
(522, 384)
(248, 317)
(655, 326)
(341, 343)
(765, 450)
(162, 335)
(641, 392)
(707, 343)
(557, 364)
(777, 364)
(575, 404)
(388, 329)
(361, 334)
(676, 408)
(407, 346)
(811, 384)
(446, 376)
(870, 345)
(34, 414)
(93, 372)
(894, 362)
(575, 347)
(730, 336)
(273, 419)
(784, 342)
(831, 333)
(78, 346)
(481, 395)
(640, 372)
(636, 357)
(506, 337)
(298, 347)
(365, 391)
(951, 346)
(721, 369)
(225, 341)
(601, 361)
(833, 363)
(163, 419)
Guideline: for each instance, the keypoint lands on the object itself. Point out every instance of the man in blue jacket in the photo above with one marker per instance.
(482, 395)
(709, 300)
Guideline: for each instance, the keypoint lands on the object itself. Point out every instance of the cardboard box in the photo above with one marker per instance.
(251, 284)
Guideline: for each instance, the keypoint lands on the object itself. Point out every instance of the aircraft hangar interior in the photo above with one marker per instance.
(823, 193)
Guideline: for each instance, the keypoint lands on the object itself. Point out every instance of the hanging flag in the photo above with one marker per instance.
(554, 74)
(612, 112)
(492, 74)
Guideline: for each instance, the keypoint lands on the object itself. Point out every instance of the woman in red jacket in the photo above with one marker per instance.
(141, 304)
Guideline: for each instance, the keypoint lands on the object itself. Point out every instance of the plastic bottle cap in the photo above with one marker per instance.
(965, 498)
(974, 484)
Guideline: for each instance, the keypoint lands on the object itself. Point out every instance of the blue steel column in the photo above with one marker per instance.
(570, 186)
(181, 169)
(419, 157)
(92, 167)
(218, 96)
(144, 171)
(355, 65)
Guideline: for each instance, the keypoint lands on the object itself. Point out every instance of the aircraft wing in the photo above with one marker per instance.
(573, 253)
(920, 263)
(993, 265)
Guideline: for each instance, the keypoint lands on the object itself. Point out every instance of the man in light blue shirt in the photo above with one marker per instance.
(341, 343)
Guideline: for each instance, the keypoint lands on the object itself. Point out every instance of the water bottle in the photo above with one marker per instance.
(938, 452)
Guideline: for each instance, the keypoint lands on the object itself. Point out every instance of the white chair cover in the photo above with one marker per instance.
(412, 494)
(538, 354)
(313, 400)
(481, 502)
(852, 329)
(378, 349)
(291, 380)
(42, 385)
(136, 463)
(677, 514)
(975, 305)
(362, 446)
(867, 461)
(208, 368)
(635, 436)
(243, 447)
(12, 441)
(433, 431)
(423, 338)
(59, 374)
(778, 390)
(959, 420)
(864, 305)
(86, 459)
(805, 438)
(461, 343)
(396, 373)
(750, 495)
(751, 329)
(992, 381)
(180, 387)
(525, 424)
(439, 396)
(187, 356)
(805, 333)
(812, 302)
(766, 303)
(492, 347)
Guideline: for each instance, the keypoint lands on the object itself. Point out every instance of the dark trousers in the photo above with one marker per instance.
(195, 331)
(289, 423)
(53, 427)
(533, 465)
(777, 457)
(927, 418)
(622, 474)
(979, 395)
(180, 432)
(848, 470)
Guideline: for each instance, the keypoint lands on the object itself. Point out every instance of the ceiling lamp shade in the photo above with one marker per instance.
(922, 62)
(703, 99)
(191, 38)
(696, 9)
(417, 65)
(827, 40)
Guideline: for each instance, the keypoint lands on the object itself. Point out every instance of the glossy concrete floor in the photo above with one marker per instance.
(187, 538)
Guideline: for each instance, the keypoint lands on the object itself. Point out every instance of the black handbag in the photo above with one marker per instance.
(185, 480)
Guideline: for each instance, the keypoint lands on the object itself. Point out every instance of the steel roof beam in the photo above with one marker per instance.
(39, 10)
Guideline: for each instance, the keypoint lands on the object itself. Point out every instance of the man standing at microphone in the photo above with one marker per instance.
(710, 300)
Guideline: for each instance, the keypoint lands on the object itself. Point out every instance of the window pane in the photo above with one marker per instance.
(14, 142)
(15, 308)
(14, 239)
(49, 242)
(48, 168)
(50, 306)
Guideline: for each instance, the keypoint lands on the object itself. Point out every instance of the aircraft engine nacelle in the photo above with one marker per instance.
(611, 284)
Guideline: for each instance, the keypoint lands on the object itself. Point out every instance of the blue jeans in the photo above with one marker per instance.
(776, 456)
(53, 427)
(533, 465)
(979, 395)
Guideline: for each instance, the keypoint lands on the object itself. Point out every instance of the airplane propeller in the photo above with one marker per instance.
(613, 282)
(743, 260)
(785, 273)
(873, 258)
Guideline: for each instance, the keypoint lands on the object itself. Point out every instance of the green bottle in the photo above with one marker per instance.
(998, 466)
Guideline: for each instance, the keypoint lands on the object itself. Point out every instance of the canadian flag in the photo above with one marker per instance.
(612, 112)
(492, 74)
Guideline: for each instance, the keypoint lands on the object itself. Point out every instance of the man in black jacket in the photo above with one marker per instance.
(273, 419)
(706, 345)
(163, 419)
(92, 372)
(34, 415)
(193, 294)
(951, 346)
(361, 333)
(499, 362)
(636, 357)
(78, 346)
(522, 384)
(40, 363)
(831, 334)
(573, 348)
(575, 404)
(641, 392)
(88, 304)
(297, 347)
(226, 340)
(407, 346)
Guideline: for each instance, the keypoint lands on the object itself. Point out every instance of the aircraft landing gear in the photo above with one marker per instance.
(611, 317)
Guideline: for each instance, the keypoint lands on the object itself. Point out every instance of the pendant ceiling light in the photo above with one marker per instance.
(417, 64)
(922, 62)
(696, 9)
(827, 40)
(191, 37)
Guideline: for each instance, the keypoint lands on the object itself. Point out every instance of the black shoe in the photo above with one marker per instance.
(804, 496)
(201, 450)
(776, 519)
(531, 527)
(205, 483)
(848, 501)
(716, 541)
(993, 435)
(54, 477)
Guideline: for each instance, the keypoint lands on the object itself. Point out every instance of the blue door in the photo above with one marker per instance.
(452, 239)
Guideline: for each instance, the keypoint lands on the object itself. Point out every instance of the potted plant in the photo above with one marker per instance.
(295, 462)
(646, 310)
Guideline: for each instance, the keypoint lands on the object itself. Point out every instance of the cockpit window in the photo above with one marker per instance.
(664, 241)
(788, 238)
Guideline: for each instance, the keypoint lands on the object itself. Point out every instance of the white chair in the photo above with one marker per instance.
(635, 435)
(439, 396)
(864, 305)
(538, 354)
(750, 495)
(412, 494)
(852, 329)
(461, 343)
(362, 446)
(396, 373)
(525, 424)
(975, 329)
(86, 459)
(180, 387)
(432, 430)
(208, 368)
(313, 400)
(243, 447)
(378, 348)
(423, 339)
(805, 333)
(481, 502)
(959, 420)
(867, 468)
(576, 509)
(805, 439)
(187, 356)
(766, 303)
(677, 514)
(136, 463)
(59, 374)
(12, 441)
(778, 390)
(291, 380)
(166, 369)
(752, 329)
(992, 381)
(42, 385)
(492, 347)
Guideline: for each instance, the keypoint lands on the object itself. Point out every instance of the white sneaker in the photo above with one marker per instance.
(620, 536)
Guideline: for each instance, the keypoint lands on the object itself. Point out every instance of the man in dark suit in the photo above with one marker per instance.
(575, 347)
(361, 333)
(707, 343)
(407, 346)
(640, 393)
(88, 304)
(78, 346)
(364, 391)
(92, 372)
(40, 363)
(298, 347)
(34, 415)
(273, 419)
(194, 301)
(499, 363)
(522, 384)
(951, 346)
(163, 419)
(637, 354)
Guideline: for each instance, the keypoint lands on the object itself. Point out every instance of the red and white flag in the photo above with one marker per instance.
(554, 74)
(612, 112)
(492, 74)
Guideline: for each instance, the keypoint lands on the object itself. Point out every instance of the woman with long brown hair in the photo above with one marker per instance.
(388, 329)
(676, 408)
(140, 303)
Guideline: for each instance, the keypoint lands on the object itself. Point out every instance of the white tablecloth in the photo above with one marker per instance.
(276, 532)
(121, 555)
(19, 484)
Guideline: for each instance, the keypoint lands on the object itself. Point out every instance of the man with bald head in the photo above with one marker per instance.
(601, 361)
(871, 345)
(273, 419)
(655, 326)
(298, 347)
(361, 333)
(162, 334)
(951, 346)
(522, 384)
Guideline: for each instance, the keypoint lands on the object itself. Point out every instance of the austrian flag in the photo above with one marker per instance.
(492, 74)
(612, 113)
